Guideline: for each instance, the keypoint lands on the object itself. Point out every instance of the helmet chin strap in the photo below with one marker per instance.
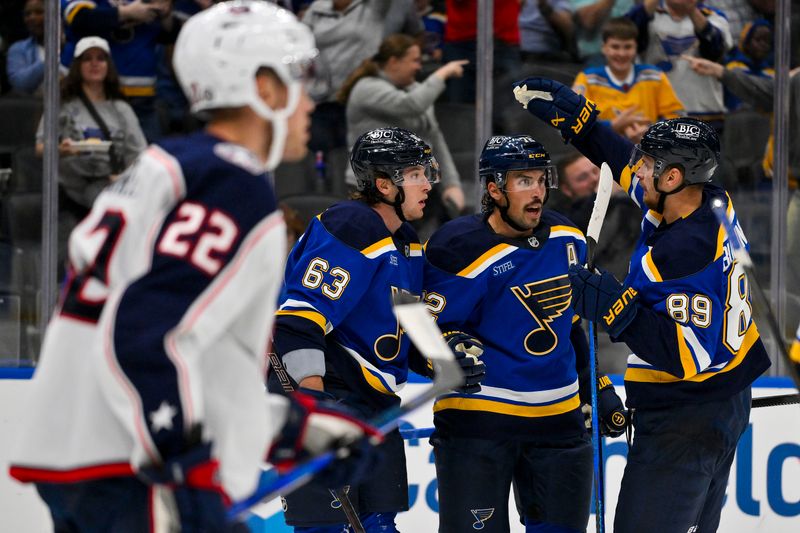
(662, 196)
(507, 219)
(397, 203)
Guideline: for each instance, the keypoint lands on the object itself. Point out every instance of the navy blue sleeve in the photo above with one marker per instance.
(712, 45)
(602, 144)
(639, 16)
(96, 21)
(652, 335)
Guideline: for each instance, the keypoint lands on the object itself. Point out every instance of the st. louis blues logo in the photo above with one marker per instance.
(481, 516)
(545, 300)
(335, 503)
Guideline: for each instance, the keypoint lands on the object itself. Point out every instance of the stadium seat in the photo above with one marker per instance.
(309, 205)
(20, 120)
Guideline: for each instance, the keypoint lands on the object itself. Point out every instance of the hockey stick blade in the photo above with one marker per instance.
(599, 210)
(740, 254)
(421, 328)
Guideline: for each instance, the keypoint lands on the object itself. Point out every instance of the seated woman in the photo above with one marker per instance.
(93, 113)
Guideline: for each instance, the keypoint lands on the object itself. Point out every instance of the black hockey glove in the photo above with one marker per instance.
(194, 481)
(612, 414)
(316, 425)
(467, 350)
(599, 297)
(558, 105)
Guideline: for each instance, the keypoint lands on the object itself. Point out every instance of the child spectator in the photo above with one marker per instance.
(630, 97)
(753, 56)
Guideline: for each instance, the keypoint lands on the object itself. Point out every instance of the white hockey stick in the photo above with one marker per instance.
(592, 236)
(421, 328)
(741, 255)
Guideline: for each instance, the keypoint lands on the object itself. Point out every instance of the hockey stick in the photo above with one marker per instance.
(592, 236)
(340, 493)
(419, 325)
(741, 255)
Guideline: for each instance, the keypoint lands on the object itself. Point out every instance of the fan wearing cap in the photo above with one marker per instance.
(90, 94)
(336, 332)
(148, 404)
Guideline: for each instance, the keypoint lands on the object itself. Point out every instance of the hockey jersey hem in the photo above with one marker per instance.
(29, 474)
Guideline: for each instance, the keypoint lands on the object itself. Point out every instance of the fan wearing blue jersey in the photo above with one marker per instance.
(147, 411)
(683, 309)
(336, 333)
(501, 278)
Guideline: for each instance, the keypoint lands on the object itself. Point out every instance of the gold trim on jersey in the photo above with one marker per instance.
(494, 406)
(416, 249)
(650, 268)
(374, 382)
(379, 248)
(486, 260)
(567, 231)
(646, 375)
(794, 353)
(314, 316)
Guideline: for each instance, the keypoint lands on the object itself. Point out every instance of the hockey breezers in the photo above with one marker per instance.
(419, 325)
(592, 236)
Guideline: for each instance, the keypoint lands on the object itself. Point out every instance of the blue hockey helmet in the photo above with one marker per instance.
(502, 153)
(686, 143)
(385, 152)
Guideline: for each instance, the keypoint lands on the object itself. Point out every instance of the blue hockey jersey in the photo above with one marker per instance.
(514, 295)
(693, 338)
(335, 311)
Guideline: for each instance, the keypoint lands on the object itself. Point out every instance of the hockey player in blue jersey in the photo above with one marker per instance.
(683, 309)
(147, 410)
(336, 332)
(501, 278)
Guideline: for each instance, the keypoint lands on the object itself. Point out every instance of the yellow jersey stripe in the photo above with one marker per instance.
(74, 8)
(314, 316)
(687, 361)
(372, 249)
(560, 231)
(650, 267)
(131, 91)
(646, 375)
(493, 406)
(485, 258)
(374, 382)
(794, 353)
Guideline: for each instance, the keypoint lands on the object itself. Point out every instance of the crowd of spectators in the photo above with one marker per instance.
(412, 63)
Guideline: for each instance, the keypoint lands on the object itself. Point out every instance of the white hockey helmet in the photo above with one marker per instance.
(220, 50)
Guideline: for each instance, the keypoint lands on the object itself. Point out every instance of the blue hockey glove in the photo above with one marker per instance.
(194, 481)
(558, 105)
(612, 414)
(316, 425)
(467, 350)
(599, 297)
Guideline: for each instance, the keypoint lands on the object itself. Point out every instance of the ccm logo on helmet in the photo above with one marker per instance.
(687, 131)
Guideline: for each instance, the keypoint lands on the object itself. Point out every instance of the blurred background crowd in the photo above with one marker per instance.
(407, 63)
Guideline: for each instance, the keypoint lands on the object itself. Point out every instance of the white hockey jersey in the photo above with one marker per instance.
(163, 322)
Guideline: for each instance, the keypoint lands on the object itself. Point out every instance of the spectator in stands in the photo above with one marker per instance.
(25, 62)
(347, 32)
(547, 31)
(738, 13)
(460, 42)
(133, 28)
(684, 27)
(382, 92)
(92, 111)
(590, 17)
(630, 97)
(753, 56)
(577, 180)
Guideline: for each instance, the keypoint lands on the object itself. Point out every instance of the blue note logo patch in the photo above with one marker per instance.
(481, 516)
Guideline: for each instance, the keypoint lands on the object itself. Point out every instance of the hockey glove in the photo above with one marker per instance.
(599, 297)
(467, 349)
(612, 414)
(193, 479)
(558, 105)
(315, 426)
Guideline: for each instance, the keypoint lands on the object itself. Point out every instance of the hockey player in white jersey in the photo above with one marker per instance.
(148, 405)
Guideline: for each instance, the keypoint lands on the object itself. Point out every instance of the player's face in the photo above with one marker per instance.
(581, 178)
(644, 171)
(526, 191)
(94, 65)
(298, 129)
(416, 187)
(619, 54)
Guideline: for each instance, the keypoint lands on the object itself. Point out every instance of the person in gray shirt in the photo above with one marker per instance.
(383, 92)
